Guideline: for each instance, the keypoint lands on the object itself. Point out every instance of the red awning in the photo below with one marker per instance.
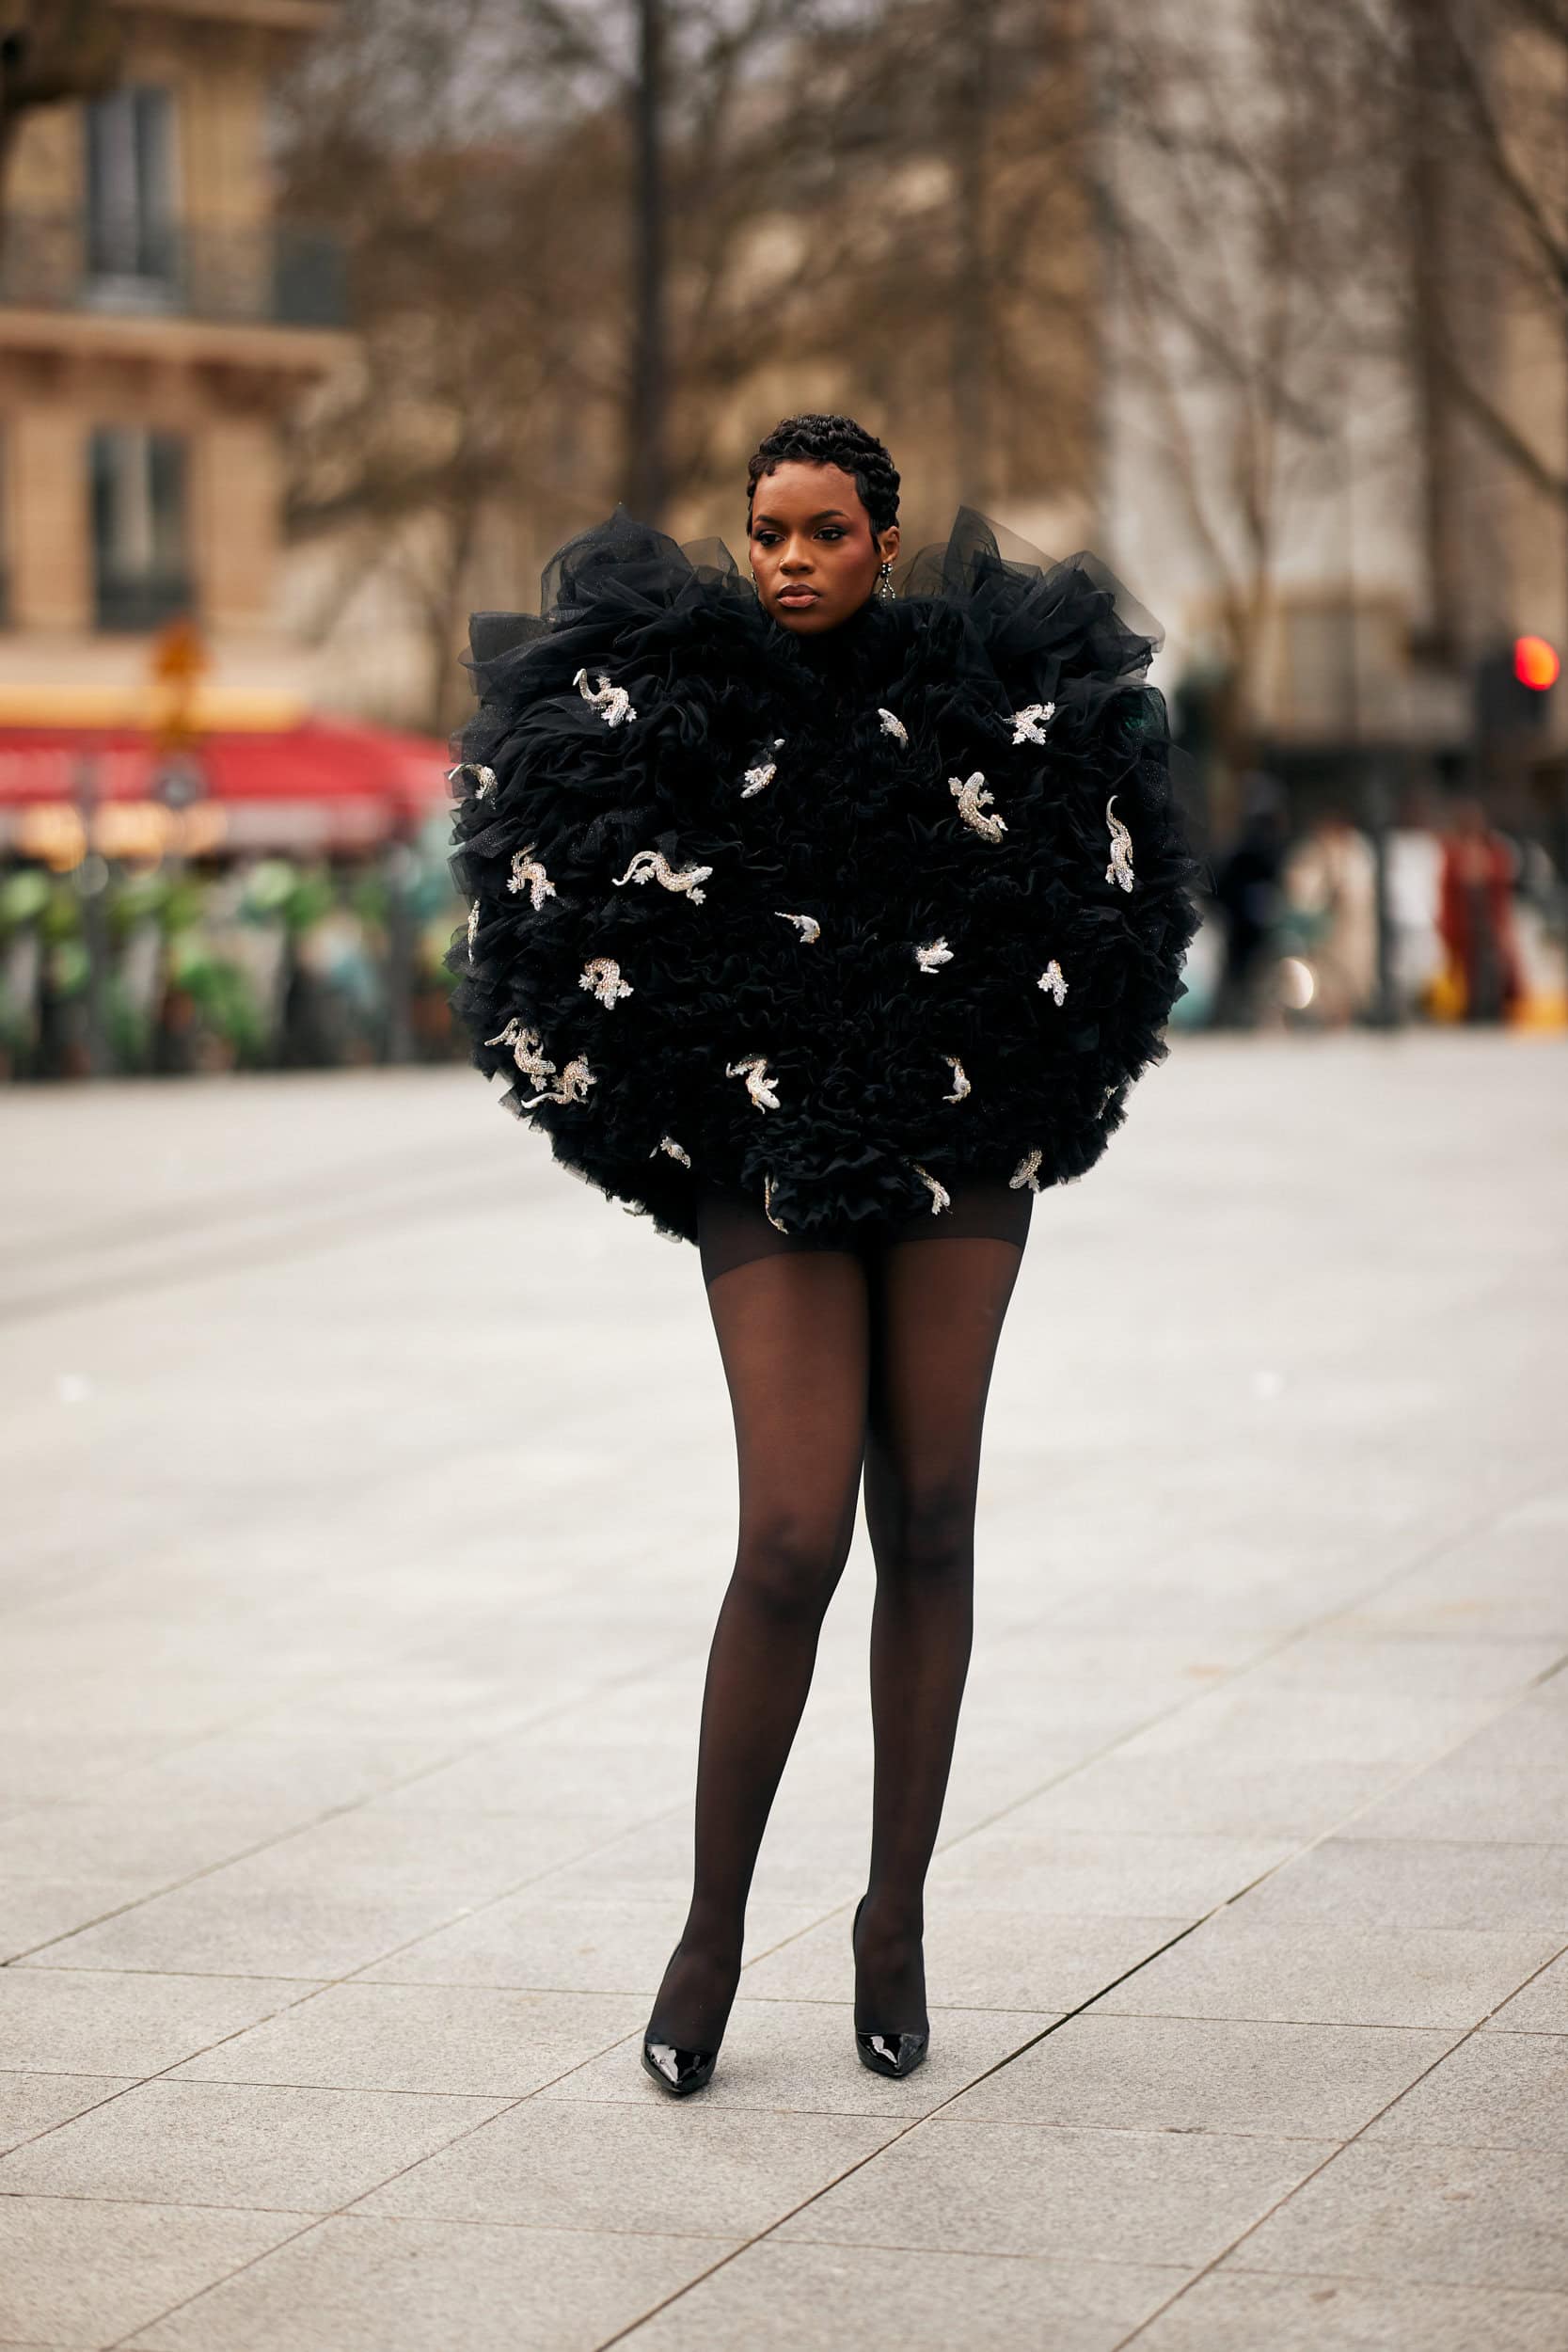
(323, 784)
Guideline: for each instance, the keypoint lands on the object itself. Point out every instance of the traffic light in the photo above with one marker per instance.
(1513, 687)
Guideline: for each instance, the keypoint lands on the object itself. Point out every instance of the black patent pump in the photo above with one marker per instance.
(678, 2072)
(894, 2055)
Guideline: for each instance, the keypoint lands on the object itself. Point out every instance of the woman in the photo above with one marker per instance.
(820, 923)
(1475, 913)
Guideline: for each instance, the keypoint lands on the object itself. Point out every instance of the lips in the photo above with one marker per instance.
(797, 596)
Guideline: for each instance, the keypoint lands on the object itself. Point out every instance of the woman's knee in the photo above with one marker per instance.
(789, 1561)
(928, 1531)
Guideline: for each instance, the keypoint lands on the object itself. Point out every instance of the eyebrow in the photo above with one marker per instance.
(828, 515)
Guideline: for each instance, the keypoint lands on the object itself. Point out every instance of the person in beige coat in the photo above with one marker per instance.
(1330, 878)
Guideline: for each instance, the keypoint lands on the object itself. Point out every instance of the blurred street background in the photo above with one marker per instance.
(320, 325)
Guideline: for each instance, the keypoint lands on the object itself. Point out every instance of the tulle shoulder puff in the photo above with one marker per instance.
(618, 584)
(1065, 646)
(1063, 631)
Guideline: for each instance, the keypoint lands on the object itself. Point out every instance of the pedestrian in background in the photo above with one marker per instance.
(1476, 913)
(1330, 880)
(1246, 890)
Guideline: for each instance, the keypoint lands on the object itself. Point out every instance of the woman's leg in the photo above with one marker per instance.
(792, 1329)
(938, 1307)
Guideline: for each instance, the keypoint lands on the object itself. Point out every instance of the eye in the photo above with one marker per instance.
(764, 538)
(831, 530)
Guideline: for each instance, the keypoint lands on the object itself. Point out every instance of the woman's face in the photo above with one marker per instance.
(814, 555)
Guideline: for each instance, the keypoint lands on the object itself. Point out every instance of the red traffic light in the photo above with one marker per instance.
(1536, 664)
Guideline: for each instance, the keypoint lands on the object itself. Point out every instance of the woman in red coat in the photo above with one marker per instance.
(1475, 913)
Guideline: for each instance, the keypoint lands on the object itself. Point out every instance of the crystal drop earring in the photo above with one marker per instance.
(884, 583)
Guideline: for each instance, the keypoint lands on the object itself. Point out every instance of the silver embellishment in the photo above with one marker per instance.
(767, 1205)
(935, 952)
(571, 1087)
(485, 779)
(758, 1084)
(1105, 1098)
(1025, 1173)
(653, 866)
(961, 1082)
(1052, 982)
(528, 874)
(612, 702)
(940, 1197)
(603, 976)
(761, 776)
(810, 927)
(668, 1143)
(973, 797)
(473, 927)
(1120, 868)
(527, 1049)
(893, 726)
(1029, 725)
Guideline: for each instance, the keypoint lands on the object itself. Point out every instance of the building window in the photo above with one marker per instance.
(141, 573)
(131, 230)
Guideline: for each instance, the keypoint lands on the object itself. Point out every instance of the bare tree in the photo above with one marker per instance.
(1245, 183)
(598, 249)
(1484, 87)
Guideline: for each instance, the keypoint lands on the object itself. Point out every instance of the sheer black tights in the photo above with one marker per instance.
(840, 1362)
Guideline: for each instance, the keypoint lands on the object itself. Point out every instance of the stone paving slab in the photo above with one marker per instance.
(1225, 2313)
(369, 1497)
(1204, 2075)
(80, 2274)
(282, 2150)
(356, 2284)
(1320, 1972)
(779, 2297)
(1013, 2188)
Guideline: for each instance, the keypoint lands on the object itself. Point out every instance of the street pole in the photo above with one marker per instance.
(401, 871)
(647, 456)
(92, 877)
(971, 305)
(1102, 65)
(1371, 770)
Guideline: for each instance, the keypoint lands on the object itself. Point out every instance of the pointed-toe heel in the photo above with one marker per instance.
(678, 2072)
(894, 2055)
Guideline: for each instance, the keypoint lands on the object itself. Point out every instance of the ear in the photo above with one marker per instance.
(887, 544)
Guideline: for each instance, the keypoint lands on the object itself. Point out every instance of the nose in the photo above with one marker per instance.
(796, 558)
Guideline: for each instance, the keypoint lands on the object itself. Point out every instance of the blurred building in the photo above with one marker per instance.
(156, 324)
(911, 239)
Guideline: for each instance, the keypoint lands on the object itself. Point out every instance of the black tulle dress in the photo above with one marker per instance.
(827, 925)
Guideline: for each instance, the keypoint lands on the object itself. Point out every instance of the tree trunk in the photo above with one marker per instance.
(971, 306)
(647, 469)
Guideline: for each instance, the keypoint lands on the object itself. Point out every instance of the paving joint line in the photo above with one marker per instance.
(1280, 2202)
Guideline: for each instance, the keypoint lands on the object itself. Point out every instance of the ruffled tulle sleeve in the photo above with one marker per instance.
(1088, 900)
(583, 813)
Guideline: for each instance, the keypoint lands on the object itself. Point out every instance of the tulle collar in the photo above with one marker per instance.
(847, 651)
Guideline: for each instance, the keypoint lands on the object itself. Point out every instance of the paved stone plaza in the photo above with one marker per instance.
(369, 1496)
